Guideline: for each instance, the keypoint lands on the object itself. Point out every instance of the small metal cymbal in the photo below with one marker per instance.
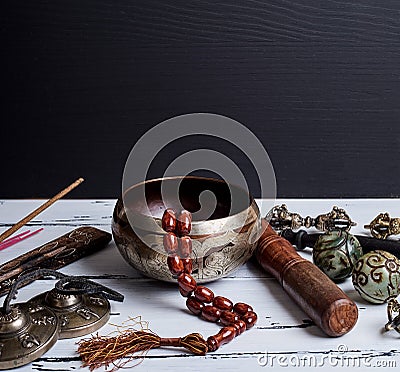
(78, 315)
(26, 333)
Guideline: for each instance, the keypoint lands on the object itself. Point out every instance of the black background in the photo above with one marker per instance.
(317, 81)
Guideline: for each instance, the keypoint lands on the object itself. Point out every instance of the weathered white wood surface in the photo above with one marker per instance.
(283, 337)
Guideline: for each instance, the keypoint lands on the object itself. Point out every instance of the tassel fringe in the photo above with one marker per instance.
(195, 343)
(131, 344)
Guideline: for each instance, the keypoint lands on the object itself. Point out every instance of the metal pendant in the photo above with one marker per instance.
(393, 312)
(280, 218)
(78, 315)
(383, 226)
(26, 333)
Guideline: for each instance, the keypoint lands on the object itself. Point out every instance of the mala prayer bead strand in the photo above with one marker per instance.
(127, 345)
(200, 299)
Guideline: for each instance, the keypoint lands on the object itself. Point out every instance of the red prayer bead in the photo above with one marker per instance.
(168, 220)
(185, 246)
(204, 294)
(228, 318)
(237, 329)
(212, 344)
(175, 265)
(170, 241)
(224, 336)
(241, 308)
(240, 326)
(184, 223)
(249, 318)
(185, 293)
(187, 265)
(223, 303)
(194, 305)
(210, 313)
(187, 282)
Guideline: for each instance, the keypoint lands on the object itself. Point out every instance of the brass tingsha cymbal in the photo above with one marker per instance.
(75, 307)
(26, 333)
(78, 315)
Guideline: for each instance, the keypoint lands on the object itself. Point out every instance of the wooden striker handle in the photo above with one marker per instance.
(319, 297)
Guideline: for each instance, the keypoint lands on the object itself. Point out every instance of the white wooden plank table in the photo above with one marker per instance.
(283, 337)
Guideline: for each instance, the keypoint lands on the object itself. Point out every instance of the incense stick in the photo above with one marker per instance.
(39, 210)
(18, 238)
(15, 237)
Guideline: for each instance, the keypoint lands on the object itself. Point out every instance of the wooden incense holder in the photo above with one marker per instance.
(319, 297)
(58, 253)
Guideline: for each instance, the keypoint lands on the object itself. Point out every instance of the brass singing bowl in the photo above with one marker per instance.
(222, 241)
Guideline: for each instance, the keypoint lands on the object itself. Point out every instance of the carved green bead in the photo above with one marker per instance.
(376, 276)
(336, 252)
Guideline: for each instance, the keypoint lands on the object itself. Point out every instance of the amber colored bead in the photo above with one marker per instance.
(187, 265)
(175, 265)
(237, 328)
(168, 220)
(249, 318)
(187, 282)
(241, 308)
(170, 241)
(210, 313)
(185, 246)
(228, 318)
(185, 293)
(223, 303)
(240, 326)
(212, 343)
(184, 223)
(224, 336)
(204, 294)
(194, 305)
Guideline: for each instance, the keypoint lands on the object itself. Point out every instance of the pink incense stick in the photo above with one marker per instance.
(17, 238)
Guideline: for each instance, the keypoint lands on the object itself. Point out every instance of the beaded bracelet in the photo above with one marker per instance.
(200, 299)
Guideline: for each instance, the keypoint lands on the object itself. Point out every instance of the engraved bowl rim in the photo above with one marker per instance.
(205, 227)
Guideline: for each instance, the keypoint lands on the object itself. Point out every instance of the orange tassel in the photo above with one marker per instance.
(131, 344)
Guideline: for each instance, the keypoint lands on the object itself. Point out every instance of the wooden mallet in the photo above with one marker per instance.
(319, 297)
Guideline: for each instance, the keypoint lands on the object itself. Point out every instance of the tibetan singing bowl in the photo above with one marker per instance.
(222, 240)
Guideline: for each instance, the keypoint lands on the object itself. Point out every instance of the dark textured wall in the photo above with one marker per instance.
(317, 81)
